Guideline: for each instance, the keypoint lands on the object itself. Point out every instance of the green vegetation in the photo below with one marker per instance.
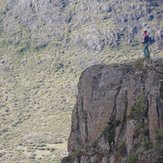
(133, 158)
(138, 111)
(159, 136)
(121, 149)
(109, 131)
(159, 142)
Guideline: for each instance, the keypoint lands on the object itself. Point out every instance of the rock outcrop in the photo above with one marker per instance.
(118, 115)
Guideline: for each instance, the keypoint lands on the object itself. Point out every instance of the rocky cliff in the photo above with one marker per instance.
(118, 116)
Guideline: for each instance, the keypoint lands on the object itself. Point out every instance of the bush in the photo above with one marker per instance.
(139, 109)
(133, 158)
(158, 145)
(122, 151)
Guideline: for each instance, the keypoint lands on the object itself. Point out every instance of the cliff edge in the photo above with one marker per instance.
(118, 116)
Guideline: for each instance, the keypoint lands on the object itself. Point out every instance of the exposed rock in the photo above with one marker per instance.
(70, 20)
(129, 135)
(112, 159)
(118, 111)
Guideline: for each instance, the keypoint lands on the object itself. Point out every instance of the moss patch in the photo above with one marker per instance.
(133, 158)
(121, 149)
(109, 131)
(159, 144)
(138, 111)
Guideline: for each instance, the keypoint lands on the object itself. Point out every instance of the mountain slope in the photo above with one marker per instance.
(44, 47)
(94, 24)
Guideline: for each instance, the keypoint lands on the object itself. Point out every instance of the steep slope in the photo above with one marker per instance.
(92, 24)
(118, 116)
(44, 47)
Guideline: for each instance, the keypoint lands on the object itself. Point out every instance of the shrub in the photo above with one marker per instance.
(122, 151)
(158, 145)
(133, 158)
(139, 109)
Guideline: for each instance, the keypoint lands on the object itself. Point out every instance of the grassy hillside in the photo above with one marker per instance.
(38, 93)
(38, 81)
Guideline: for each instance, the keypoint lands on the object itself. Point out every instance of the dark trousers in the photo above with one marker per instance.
(146, 51)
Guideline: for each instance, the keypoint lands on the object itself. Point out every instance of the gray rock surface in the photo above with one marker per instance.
(117, 116)
(92, 24)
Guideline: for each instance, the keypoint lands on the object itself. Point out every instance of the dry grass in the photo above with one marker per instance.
(2, 3)
(40, 95)
(39, 85)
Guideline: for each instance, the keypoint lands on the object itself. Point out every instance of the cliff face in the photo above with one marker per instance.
(118, 116)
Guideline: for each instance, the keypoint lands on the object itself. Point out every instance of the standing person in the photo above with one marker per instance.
(146, 44)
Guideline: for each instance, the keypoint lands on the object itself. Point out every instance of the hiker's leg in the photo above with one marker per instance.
(148, 53)
(145, 52)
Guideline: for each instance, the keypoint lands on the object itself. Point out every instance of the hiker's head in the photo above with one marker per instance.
(145, 32)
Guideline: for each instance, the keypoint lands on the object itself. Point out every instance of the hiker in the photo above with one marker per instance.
(146, 44)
